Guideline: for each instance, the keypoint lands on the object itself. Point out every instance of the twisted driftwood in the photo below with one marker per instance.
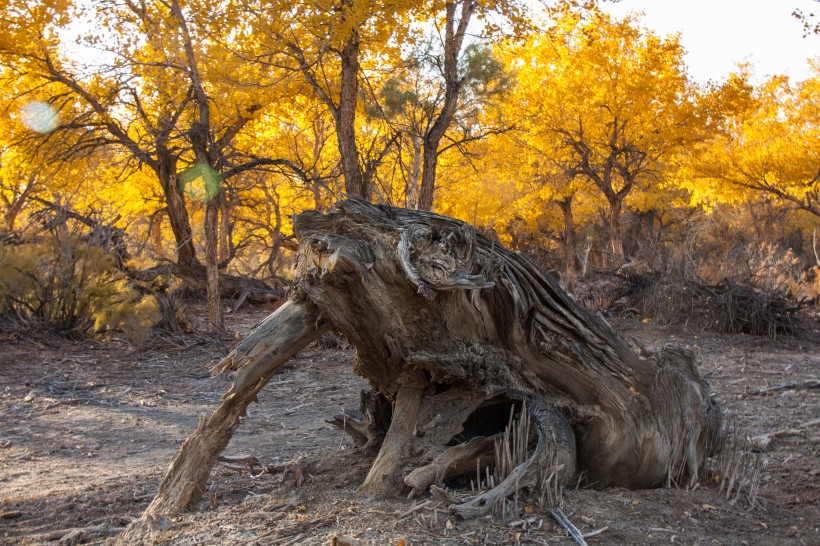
(454, 332)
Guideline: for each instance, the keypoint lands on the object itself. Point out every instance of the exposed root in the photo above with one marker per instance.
(384, 477)
(368, 425)
(453, 462)
(564, 522)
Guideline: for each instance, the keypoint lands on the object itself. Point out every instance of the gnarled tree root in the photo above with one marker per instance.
(457, 332)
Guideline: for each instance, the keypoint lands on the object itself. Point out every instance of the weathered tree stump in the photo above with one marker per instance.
(454, 332)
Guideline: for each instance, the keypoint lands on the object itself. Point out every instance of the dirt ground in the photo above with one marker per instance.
(87, 430)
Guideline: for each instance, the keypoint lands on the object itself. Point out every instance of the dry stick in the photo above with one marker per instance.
(416, 508)
(763, 441)
(246, 460)
(564, 521)
(102, 529)
(596, 533)
(807, 384)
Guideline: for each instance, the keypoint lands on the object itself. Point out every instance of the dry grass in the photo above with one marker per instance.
(736, 467)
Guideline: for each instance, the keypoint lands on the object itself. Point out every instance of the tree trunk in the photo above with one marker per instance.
(570, 244)
(17, 204)
(355, 183)
(177, 214)
(212, 264)
(156, 233)
(466, 339)
(428, 174)
(413, 185)
(225, 229)
(292, 327)
(615, 235)
(454, 32)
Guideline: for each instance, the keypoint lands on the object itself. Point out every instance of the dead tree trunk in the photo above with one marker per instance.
(456, 333)
(433, 306)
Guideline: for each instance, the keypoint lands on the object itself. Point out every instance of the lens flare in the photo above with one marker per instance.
(200, 182)
(39, 117)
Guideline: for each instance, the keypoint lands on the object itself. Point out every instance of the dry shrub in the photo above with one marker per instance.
(777, 269)
(66, 284)
(732, 271)
(173, 314)
(722, 307)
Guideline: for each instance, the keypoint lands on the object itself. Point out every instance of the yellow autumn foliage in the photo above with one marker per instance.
(593, 126)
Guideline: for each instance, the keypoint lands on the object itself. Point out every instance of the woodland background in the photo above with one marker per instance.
(149, 146)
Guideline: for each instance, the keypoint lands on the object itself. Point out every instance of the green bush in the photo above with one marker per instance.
(65, 284)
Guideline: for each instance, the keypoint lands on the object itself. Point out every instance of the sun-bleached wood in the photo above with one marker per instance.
(454, 331)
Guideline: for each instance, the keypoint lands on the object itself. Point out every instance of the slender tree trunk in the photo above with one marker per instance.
(212, 264)
(415, 174)
(454, 32)
(316, 190)
(570, 244)
(206, 156)
(428, 177)
(225, 230)
(178, 216)
(18, 203)
(615, 236)
(156, 229)
(355, 183)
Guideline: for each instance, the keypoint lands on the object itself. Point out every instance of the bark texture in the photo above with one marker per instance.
(429, 303)
(457, 336)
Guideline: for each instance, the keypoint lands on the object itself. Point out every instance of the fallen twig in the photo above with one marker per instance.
(245, 459)
(79, 534)
(807, 384)
(571, 529)
(596, 533)
(763, 442)
(414, 509)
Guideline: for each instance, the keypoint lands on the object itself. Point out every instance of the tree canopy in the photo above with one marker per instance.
(199, 128)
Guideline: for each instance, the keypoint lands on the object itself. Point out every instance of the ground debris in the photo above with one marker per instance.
(60, 490)
(792, 385)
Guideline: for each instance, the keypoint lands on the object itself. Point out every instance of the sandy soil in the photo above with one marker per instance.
(87, 430)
